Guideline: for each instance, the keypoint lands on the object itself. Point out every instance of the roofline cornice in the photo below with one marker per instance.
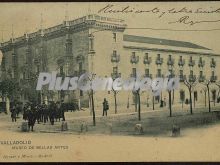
(168, 50)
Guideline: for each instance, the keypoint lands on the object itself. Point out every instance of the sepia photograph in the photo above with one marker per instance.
(109, 81)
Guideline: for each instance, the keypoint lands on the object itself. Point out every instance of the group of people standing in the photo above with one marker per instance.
(33, 112)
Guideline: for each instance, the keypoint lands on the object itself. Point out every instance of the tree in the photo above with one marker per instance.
(218, 84)
(205, 91)
(138, 102)
(170, 102)
(191, 83)
(207, 83)
(115, 99)
(90, 78)
(87, 79)
(115, 92)
(9, 88)
(153, 102)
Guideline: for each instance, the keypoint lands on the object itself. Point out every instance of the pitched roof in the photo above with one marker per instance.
(159, 41)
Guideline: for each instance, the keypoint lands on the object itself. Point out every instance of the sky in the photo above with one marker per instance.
(27, 17)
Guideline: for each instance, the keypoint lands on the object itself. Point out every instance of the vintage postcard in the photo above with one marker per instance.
(109, 81)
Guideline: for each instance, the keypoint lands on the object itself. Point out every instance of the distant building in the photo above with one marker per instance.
(98, 44)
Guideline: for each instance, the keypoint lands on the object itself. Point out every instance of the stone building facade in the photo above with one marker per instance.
(99, 45)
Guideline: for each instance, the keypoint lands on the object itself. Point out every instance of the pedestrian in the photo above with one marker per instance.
(52, 111)
(37, 109)
(105, 107)
(62, 110)
(13, 113)
(58, 111)
(31, 116)
(45, 112)
(25, 111)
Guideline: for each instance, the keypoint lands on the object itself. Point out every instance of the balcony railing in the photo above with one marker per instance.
(201, 63)
(170, 62)
(191, 63)
(182, 78)
(159, 61)
(115, 58)
(181, 62)
(213, 78)
(212, 64)
(134, 59)
(201, 78)
(115, 75)
(147, 60)
(192, 78)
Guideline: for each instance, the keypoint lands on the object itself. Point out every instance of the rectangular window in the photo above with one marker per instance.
(158, 56)
(115, 69)
(114, 53)
(81, 93)
(182, 95)
(80, 66)
(61, 69)
(114, 37)
(191, 72)
(146, 56)
(213, 73)
(181, 72)
(181, 57)
(200, 73)
(66, 68)
(134, 71)
(171, 71)
(195, 96)
(147, 71)
(91, 43)
(159, 72)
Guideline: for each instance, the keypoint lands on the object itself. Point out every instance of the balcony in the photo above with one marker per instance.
(147, 60)
(182, 78)
(192, 78)
(201, 78)
(134, 59)
(159, 61)
(212, 64)
(170, 62)
(148, 75)
(181, 62)
(191, 63)
(115, 75)
(213, 78)
(115, 58)
(201, 63)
